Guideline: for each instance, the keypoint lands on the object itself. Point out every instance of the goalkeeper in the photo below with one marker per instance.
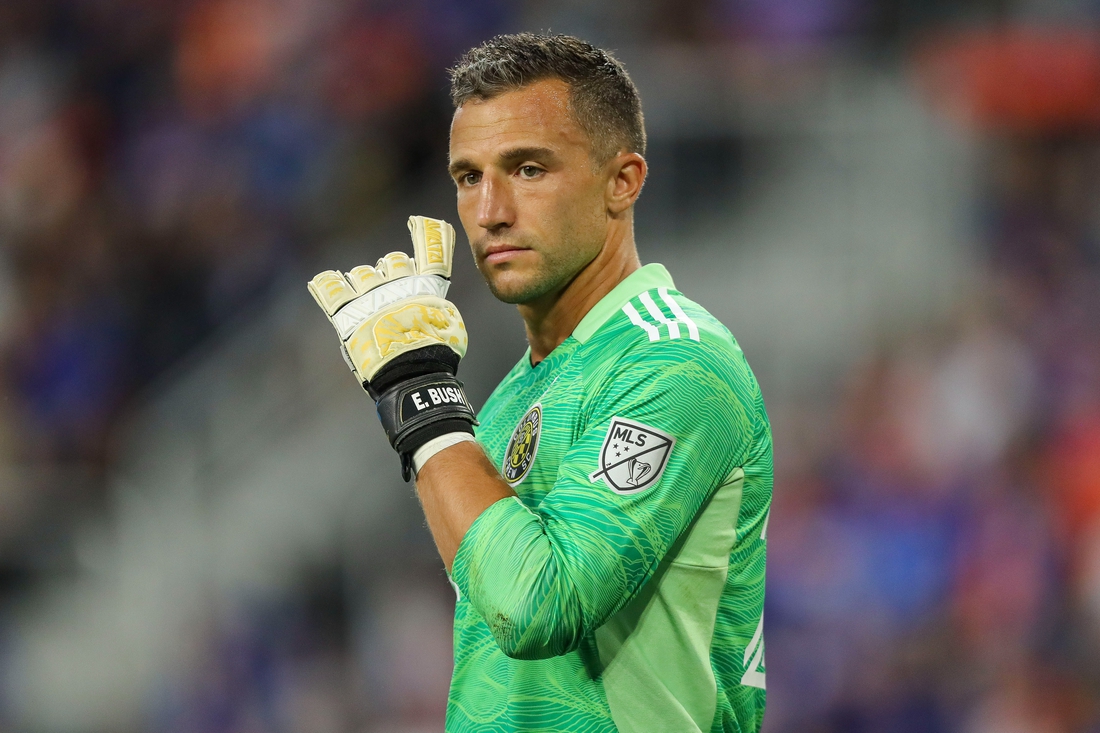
(606, 528)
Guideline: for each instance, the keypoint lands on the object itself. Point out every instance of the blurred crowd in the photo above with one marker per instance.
(934, 559)
(164, 166)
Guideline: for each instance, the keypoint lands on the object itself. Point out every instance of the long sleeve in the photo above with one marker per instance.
(665, 428)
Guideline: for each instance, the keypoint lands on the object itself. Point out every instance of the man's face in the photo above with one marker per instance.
(529, 196)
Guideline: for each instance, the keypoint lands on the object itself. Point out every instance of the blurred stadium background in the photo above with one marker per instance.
(894, 204)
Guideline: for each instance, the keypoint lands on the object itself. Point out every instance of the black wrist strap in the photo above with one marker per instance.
(416, 410)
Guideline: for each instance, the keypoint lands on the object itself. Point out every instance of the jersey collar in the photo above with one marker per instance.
(645, 278)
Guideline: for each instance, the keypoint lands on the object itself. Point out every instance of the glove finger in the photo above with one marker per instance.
(433, 245)
(395, 265)
(331, 291)
(365, 278)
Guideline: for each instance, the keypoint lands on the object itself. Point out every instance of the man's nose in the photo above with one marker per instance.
(496, 209)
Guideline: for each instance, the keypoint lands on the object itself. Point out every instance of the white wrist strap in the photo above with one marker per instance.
(433, 446)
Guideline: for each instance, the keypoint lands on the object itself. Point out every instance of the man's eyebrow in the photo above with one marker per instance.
(506, 158)
(515, 155)
(462, 164)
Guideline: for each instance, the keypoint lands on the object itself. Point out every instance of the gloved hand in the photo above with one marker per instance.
(402, 339)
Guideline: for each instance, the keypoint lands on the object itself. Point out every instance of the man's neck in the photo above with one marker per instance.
(551, 319)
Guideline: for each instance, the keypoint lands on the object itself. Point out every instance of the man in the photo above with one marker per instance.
(606, 531)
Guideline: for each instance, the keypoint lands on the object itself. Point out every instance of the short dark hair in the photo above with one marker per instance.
(602, 97)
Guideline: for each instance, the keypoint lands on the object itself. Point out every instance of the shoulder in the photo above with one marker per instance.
(660, 331)
(664, 361)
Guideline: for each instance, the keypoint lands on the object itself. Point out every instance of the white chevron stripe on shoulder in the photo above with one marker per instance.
(693, 330)
(659, 316)
(636, 318)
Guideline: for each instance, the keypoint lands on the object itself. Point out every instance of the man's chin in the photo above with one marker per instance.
(511, 294)
(516, 290)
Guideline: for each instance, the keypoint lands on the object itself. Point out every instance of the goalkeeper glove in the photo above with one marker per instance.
(402, 339)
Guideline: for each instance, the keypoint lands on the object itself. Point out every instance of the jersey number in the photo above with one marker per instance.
(754, 658)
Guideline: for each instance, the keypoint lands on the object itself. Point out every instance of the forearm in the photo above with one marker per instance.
(455, 486)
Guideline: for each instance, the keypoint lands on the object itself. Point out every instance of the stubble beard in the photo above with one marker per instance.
(552, 272)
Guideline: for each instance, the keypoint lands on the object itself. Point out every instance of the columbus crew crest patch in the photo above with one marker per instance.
(523, 446)
(633, 456)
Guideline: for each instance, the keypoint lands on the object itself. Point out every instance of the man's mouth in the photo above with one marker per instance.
(496, 254)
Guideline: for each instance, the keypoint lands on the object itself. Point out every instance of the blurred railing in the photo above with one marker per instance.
(246, 467)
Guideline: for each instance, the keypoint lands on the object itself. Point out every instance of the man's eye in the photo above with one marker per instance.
(469, 179)
(530, 171)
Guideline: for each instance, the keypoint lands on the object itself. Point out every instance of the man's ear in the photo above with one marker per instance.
(627, 172)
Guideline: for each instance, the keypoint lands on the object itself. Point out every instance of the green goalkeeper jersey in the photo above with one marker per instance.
(624, 588)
